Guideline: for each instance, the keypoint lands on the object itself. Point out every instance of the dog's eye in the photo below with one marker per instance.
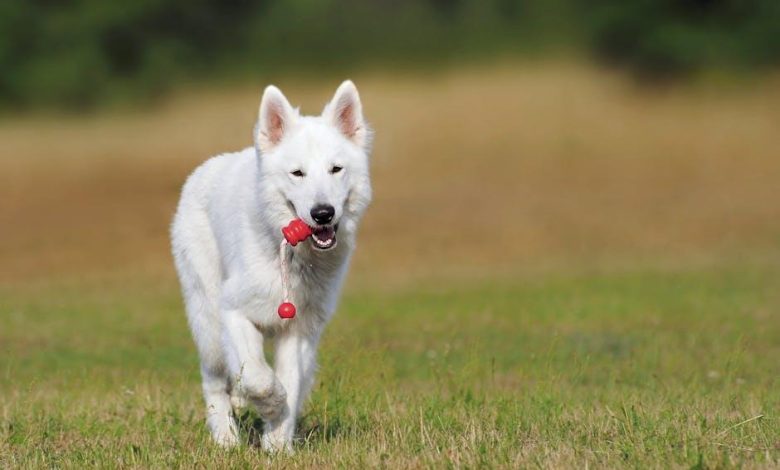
(298, 173)
(335, 169)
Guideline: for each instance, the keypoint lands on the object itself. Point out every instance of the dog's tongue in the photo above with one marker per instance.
(324, 237)
(324, 233)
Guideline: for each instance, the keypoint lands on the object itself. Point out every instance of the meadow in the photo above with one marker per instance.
(560, 269)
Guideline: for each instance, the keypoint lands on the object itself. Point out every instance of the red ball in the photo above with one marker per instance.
(286, 310)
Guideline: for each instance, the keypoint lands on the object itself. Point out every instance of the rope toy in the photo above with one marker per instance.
(294, 233)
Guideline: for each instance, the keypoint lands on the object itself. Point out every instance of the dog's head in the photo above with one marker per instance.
(318, 164)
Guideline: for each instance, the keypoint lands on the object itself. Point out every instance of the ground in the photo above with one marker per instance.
(560, 270)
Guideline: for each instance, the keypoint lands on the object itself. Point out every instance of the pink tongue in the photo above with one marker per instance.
(324, 234)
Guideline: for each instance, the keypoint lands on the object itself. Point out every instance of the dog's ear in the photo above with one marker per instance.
(275, 117)
(345, 112)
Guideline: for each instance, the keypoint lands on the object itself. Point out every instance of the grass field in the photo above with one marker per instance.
(592, 280)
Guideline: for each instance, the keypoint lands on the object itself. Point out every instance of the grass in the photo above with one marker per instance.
(609, 298)
(645, 369)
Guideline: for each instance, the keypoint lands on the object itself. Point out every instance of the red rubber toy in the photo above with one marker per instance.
(286, 310)
(296, 232)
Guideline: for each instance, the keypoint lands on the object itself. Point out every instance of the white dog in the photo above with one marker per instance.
(226, 236)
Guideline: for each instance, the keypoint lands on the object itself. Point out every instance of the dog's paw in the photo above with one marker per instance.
(226, 440)
(270, 401)
(224, 432)
(275, 442)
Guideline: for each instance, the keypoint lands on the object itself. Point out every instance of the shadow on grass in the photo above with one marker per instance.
(250, 427)
(310, 429)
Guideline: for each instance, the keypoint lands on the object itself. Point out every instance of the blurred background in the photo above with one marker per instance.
(85, 53)
(576, 210)
(512, 136)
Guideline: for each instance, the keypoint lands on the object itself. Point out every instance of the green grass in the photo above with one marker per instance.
(645, 369)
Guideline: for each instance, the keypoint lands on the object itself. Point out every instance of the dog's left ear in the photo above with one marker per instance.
(345, 112)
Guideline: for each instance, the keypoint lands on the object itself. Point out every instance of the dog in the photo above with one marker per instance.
(225, 239)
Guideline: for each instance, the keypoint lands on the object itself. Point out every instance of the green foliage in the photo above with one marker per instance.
(76, 53)
(670, 38)
(79, 53)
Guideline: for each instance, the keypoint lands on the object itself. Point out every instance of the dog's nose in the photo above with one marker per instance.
(323, 213)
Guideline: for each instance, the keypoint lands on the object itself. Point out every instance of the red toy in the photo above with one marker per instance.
(294, 233)
(286, 310)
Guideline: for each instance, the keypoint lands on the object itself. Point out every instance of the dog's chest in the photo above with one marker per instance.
(313, 278)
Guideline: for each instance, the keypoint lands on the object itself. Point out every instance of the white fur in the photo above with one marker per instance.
(225, 237)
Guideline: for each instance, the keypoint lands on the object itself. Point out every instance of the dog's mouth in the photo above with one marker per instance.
(323, 237)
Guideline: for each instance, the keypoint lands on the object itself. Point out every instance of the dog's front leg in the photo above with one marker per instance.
(251, 374)
(296, 361)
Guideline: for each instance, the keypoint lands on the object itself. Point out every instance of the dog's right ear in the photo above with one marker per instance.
(275, 117)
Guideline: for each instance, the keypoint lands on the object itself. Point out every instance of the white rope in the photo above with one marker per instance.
(283, 266)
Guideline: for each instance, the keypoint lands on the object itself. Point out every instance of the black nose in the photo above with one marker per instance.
(322, 213)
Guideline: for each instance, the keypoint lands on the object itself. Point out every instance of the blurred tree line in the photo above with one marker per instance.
(78, 53)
